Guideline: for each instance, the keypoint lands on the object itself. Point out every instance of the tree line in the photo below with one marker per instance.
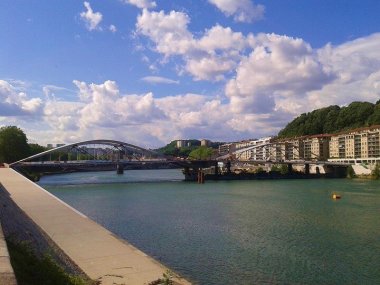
(333, 119)
(14, 145)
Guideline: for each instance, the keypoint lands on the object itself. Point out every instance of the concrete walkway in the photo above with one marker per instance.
(98, 252)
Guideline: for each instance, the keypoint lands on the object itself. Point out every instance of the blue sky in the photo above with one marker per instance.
(148, 72)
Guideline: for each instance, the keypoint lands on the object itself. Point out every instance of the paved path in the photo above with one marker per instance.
(98, 252)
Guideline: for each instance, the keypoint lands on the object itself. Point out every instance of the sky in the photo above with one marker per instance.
(147, 72)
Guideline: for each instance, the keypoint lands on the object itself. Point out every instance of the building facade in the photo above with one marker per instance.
(358, 145)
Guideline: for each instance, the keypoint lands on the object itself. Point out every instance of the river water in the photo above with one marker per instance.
(238, 232)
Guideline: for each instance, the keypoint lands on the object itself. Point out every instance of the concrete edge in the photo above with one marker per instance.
(7, 276)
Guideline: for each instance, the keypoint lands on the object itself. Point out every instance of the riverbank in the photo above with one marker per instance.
(84, 247)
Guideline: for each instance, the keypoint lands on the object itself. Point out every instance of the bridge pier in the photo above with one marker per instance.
(216, 170)
(119, 168)
(290, 168)
(307, 168)
(201, 176)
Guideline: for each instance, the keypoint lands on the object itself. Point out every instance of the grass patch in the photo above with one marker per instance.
(31, 270)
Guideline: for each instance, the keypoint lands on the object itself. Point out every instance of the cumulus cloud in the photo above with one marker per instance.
(241, 10)
(112, 28)
(206, 58)
(14, 103)
(357, 67)
(158, 80)
(142, 4)
(92, 19)
(104, 112)
(271, 79)
(278, 67)
(106, 107)
(209, 68)
(168, 31)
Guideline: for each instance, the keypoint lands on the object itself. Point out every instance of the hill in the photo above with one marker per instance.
(333, 119)
(171, 148)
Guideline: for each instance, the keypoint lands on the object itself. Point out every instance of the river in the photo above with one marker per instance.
(237, 232)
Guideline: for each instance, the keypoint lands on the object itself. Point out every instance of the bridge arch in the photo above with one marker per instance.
(117, 145)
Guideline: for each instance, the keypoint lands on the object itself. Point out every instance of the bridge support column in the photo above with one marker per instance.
(290, 168)
(201, 176)
(307, 169)
(119, 168)
(216, 170)
(228, 166)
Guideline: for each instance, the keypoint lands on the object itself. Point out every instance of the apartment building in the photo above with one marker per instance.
(316, 147)
(256, 149)
(227, 148)
(294, 149)
(358, 145)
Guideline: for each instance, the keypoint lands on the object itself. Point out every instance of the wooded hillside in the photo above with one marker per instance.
(333, 119)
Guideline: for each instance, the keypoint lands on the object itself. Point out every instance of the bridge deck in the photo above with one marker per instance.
(98, 252)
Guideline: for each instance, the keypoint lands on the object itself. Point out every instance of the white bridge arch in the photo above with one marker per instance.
(137, 152)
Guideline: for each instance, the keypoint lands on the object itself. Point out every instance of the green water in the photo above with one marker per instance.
(238, 232)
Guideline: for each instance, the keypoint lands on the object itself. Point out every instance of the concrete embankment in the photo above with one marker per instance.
(85, 245)
(7, 276)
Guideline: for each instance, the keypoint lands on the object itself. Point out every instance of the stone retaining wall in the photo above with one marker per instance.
(20, 228)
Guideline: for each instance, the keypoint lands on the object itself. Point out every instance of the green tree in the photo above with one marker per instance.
(13, 144)
(333, 119)
(36, 148)
(376, 171)
(201, 153)
(374, 119)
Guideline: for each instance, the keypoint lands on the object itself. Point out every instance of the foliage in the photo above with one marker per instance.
(36, 148)
(284, 169)
(201, 153)
(275, 168)
(13, 144)
(166, 280)
(259, 170)
(29, 269)
(171, 148)
(376, 171)
(350, 172)
(333, 119)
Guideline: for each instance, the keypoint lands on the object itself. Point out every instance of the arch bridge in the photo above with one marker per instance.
(101, 154)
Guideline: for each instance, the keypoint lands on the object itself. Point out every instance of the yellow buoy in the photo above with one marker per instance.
(336, 196)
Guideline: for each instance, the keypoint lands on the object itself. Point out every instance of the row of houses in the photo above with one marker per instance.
(355, 146)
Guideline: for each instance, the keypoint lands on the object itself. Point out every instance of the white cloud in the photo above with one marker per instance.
(278, 78)
(91, 18)
(209, 68)
(206, 58)
(106, 107)
(15, 103)
(278, 67)
(158, 79)
(142, 4)
(168, 31)
(219, 38)
(241, 10)
(112, 28)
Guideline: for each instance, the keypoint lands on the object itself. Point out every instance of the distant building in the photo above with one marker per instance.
(49, 145)
(181, 143)
(60, 144)
(256, 149)
(227, 148)
(205, 142)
